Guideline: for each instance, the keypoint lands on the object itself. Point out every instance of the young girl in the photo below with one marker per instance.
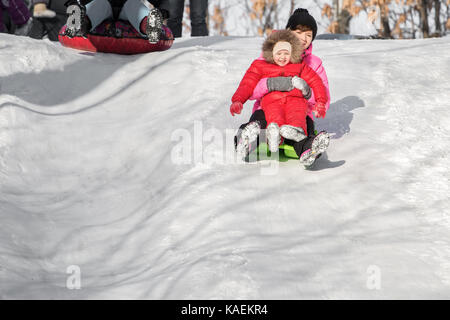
(304, 27)
(285, 111)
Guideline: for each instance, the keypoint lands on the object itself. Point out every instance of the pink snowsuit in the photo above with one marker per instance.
(313, 62)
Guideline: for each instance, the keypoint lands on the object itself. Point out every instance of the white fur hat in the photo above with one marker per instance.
(279, 37)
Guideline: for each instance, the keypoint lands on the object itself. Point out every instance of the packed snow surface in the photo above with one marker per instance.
(118, 178)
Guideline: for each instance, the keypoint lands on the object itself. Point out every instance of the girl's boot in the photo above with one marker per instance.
(273, 136)
(319, 145)
(246, 137)
(292, 133)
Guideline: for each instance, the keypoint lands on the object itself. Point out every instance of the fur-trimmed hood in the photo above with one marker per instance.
(282, 35)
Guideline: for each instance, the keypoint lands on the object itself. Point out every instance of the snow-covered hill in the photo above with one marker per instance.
(119, 170)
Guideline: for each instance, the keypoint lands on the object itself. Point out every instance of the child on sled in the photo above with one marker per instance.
(285, 112)
(304, 27)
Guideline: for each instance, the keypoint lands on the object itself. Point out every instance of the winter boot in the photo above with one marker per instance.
(246, 137)
(273, 136)
(292, 133)
(319, 145)
(40, 11)
(154, 25)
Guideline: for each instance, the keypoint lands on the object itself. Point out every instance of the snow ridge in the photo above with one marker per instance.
(88, 177)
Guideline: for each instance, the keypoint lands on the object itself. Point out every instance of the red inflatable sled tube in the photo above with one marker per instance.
(119, 45)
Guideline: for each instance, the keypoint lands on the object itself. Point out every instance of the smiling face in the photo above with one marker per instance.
(282, 57)
(282, 53)
(305, 35)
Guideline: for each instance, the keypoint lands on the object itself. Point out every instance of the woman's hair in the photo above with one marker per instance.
(302, 28)
(282, 35)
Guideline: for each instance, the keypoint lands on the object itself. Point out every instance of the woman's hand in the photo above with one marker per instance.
(301, 85)
(236, 108)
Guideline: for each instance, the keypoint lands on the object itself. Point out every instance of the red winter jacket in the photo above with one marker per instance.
(262, 69)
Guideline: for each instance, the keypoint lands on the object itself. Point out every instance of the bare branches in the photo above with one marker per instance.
(392, 18)
(398, 19)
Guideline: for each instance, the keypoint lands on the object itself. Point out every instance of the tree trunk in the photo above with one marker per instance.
(423, 10)
(336, 10)
(437, 18)
(344, 22)
(386, 27)
(291, 11)
(413, 27)
(384, 17)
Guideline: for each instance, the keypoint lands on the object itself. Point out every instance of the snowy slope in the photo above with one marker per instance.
(92, 175)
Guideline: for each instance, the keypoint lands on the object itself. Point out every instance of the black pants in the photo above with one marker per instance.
(117, 5)
(198, 9)
(49, 27)
(300, 146)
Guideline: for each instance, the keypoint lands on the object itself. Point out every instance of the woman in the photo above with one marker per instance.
(285, 112)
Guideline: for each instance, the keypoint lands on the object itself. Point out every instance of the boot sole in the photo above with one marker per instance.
(321, 142)
(320, 145)
(154, 26)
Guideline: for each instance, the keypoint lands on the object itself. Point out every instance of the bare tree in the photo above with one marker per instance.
(265, 13)
(392, 18)
(422, 8)
(292, 8)
(384, 18)
(447, 24)
(339, 15)
(218, 18)
(437, 16)
(396, 18)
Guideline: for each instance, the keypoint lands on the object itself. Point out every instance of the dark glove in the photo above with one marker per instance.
(280, 84)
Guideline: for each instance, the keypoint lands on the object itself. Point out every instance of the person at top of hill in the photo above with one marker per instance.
(304, 27)
(197, 12)
(285, 111)
(19, 15)
(147, 17)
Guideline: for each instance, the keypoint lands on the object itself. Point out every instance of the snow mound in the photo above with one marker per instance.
(94, 195)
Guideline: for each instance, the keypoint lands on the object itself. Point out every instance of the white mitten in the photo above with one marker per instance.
(301, 85)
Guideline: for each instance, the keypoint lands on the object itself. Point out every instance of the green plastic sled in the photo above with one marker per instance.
(262, 153)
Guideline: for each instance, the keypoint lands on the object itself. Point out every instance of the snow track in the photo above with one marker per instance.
(88, 176)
